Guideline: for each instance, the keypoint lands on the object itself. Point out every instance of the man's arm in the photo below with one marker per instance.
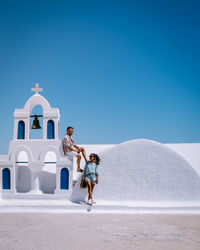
(77, 147)
(66, 145)
(72, 149)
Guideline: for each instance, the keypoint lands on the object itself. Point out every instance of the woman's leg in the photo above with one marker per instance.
(92, 188)
(89, 190)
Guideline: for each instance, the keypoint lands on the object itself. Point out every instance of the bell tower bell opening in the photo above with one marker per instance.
(36, 122)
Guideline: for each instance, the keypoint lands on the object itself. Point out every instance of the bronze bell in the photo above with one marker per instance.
(36, 123)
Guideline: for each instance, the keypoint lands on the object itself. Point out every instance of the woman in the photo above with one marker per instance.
(90, 175)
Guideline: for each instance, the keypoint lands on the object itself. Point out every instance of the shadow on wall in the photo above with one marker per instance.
(60, 149)
(79, 194)
(24, 179)
(47, 182)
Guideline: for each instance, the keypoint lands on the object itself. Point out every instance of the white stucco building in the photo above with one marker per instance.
(136, 173)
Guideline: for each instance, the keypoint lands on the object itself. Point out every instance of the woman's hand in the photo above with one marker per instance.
(97, 181)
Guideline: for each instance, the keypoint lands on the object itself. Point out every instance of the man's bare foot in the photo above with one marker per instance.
(79, 170)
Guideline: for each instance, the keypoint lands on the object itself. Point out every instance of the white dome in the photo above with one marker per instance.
(144, 170)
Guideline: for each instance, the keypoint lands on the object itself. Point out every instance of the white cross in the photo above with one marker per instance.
(37, 89)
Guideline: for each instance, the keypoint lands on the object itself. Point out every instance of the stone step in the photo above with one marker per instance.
(32, 196)
(66, 206)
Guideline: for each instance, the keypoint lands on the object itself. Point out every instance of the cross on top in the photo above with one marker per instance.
(37, 89)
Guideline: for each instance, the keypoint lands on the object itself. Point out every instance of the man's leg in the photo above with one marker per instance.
(83, 153)
(78, 156)
(78, 163)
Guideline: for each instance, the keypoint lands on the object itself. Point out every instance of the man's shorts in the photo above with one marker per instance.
(91, 177)
(71, 154)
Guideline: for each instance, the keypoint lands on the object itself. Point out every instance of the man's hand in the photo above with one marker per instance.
(79, 149)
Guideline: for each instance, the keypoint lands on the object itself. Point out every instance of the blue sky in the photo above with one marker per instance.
(117, 70)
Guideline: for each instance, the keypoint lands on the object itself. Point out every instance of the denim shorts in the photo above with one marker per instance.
(91, 177)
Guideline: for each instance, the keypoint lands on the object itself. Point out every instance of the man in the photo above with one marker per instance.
(71, 149)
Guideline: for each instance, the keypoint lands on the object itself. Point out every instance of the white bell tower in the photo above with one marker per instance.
(22, 120)
(36, 149)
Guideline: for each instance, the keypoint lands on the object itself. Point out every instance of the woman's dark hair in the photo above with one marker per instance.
(96, 157)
